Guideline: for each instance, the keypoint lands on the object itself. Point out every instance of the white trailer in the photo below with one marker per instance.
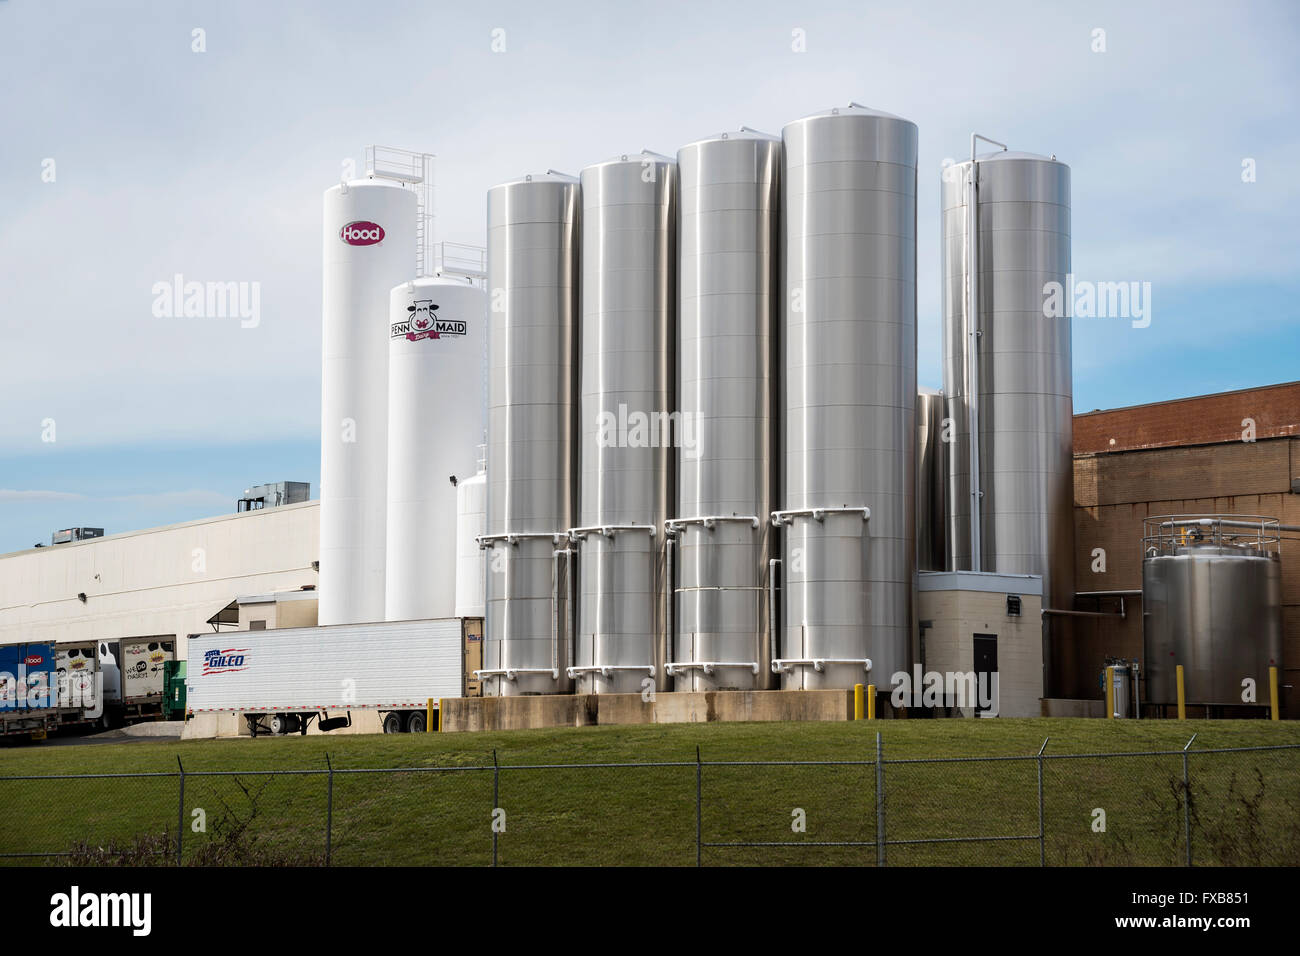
(140, 662)
(282, 679)
(80, 684)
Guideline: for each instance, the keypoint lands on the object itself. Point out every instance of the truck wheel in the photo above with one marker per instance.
(393, 723)
(283, 724)
(415, 722)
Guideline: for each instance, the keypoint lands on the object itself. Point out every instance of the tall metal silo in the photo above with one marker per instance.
(1212, 602)
(1007, 371)
(849, 340)
(629, 289)
(728, 301)
(435, 334)
(533, 288)
(931, 479)
(369, 238)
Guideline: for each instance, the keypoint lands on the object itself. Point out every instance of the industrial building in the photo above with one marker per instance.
(1171, 457)
(709, 467)
(176, 580)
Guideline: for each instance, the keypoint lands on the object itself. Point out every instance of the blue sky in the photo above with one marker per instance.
(212, 165)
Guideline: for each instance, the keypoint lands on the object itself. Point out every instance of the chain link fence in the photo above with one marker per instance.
(1231, 806)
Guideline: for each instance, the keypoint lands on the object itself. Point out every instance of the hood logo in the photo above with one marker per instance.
(362, 233)
(421, 323)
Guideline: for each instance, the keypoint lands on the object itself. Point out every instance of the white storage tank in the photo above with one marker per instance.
(436, 330)
(369, 246)
(471, 521)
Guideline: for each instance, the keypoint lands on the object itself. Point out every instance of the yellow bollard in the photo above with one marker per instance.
(1110, 692)
(1182, 694)
(428, 716)
(871, 702)
(1274, 703)
(857, 701)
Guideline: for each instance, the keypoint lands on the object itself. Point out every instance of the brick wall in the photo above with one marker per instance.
(1114, 491)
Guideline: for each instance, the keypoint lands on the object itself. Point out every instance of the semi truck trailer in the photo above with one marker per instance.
(282, 679)
(28, 683)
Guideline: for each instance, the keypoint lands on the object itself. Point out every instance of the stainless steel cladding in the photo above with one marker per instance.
(1211, 601)
(931, 479)
(1018, 391)
(728, 265)
(628, 294)
(849, 339)
(532, 285)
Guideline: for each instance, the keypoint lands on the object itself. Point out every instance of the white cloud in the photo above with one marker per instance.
(11, 494)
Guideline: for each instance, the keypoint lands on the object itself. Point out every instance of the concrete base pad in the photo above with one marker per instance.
(156, 728)
(588, 710)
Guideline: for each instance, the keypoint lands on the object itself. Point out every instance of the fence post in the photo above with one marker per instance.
(496, 801)
(180, 813)
(329, 810)
(699, 807)
(1187, 803)
(880, 802)
(1042, 831)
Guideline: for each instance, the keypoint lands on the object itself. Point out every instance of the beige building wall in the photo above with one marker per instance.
(282, 609)
(167, 580)
(959, 605)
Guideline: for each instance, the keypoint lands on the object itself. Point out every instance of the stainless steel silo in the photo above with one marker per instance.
(848, 334)
(931, 479)
(719, 540)
(1007, 374)
(1212, 602)
(629, 259)
(533, 287)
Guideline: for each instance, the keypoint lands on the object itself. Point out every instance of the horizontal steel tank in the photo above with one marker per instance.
(848, 333)
(1007, 373)
(728, 300)
(1211, 601)
(532, 286)
(931, 479)
(629, 259)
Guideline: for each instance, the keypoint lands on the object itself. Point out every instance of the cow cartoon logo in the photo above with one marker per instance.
(422, 321)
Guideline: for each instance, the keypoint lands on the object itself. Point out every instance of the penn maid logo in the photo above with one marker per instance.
(421, 323)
